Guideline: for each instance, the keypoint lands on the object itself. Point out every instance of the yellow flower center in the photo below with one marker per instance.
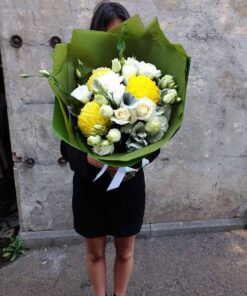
(89, 117)
(97, 73)
(141, 86)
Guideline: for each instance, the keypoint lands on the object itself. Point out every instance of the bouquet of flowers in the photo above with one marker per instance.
(119, 95)
(126, 107)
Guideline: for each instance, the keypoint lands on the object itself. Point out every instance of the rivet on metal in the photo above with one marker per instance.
(30, 162)
(61, 161)
(16, 41)
(54, 40)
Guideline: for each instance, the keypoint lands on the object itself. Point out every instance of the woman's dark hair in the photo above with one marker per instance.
(107, 12)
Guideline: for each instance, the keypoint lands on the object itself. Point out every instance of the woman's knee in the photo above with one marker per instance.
(95, 249)
(124, 255)
(95, 256)
(124, 248)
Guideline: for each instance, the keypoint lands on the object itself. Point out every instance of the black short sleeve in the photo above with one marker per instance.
(75, 157)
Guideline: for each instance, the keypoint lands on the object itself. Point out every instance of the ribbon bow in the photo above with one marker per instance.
(118, 178)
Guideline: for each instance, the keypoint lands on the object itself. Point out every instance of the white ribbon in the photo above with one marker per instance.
(118, 178)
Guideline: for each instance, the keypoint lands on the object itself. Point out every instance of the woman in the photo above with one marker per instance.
(97, 212)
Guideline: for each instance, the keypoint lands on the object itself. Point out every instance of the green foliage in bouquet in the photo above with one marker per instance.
(97, 49)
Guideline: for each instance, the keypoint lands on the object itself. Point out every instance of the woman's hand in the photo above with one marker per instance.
(99, 164)
(111, 170)
(94, 162)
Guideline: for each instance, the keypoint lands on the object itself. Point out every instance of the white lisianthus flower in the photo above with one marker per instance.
(117, 95)
(104, 148)
(94, 140)
(109, 82)
(106, 111)
(153, 126)
(130, 68)
(170, 96)
(116, 65)
(129, 71)
(114, 135)
(82, 94)
(148, 70)
(121, 116)
(132, 62)
(145, 109)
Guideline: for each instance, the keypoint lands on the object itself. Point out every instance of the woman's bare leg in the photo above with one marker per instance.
(123, 263)
(96, 264)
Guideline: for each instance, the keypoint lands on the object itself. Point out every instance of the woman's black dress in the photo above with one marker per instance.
(97, 212)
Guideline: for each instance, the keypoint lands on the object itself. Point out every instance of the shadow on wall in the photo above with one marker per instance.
(9, 223)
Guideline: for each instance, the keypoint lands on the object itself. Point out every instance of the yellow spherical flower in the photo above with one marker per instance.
(97, 73)
(89, 117)
(141, 86)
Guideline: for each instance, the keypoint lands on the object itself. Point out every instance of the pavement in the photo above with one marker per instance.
(210, 264)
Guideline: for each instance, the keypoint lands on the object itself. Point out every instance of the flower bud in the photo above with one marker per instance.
(169, 96)
(80, 63)
(167, 82)
(100, 129)
(104, 148)
(94, 140)
(106, 111)
(44, 73)
(114, 135)
(24, 75)
(116, 66)
(101, 100)
(153, 126)
(78, 73)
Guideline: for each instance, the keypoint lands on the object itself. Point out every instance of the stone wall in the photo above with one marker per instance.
(200, 174)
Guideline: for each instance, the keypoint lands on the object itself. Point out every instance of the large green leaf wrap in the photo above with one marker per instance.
(97, 49)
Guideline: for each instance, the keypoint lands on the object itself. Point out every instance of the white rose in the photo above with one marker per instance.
(94, 140)
(106, 111)
(116, 66)
(122, 116)
(145, 109)
(148, 70)
(104, 148)
(114, 135)
(82, 94)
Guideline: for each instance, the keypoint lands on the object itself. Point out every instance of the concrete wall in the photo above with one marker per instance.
(201, 174)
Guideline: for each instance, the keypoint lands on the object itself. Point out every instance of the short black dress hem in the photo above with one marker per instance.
(97, 212)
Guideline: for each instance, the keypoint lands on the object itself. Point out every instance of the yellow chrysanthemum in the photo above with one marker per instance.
(141, 86)
(97, 73)
(89, 117)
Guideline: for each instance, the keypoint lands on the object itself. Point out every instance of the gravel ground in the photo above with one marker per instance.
(210, 264)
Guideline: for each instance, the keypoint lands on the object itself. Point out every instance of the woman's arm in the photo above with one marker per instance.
(151, 157)
(63, 150)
